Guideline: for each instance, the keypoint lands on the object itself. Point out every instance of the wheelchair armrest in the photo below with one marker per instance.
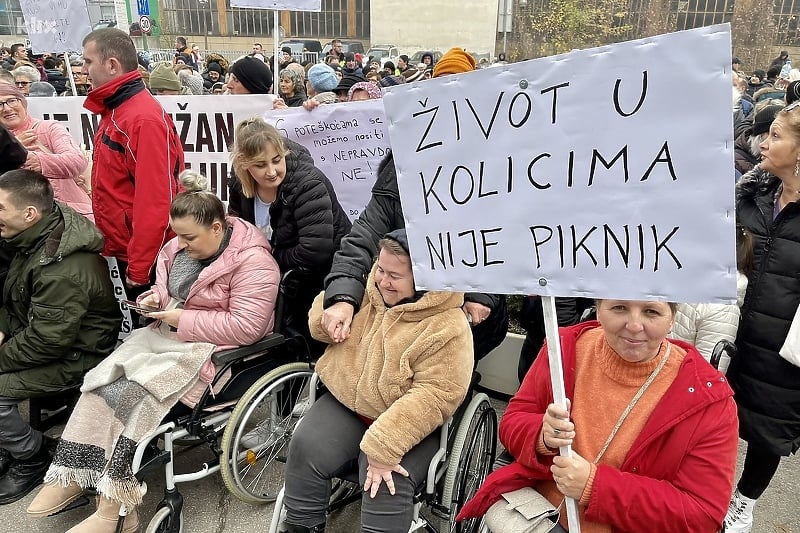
(228, 356)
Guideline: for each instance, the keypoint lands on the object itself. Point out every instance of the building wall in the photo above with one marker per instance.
(435, 24)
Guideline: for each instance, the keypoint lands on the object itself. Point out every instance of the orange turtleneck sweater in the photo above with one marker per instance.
(604, 386)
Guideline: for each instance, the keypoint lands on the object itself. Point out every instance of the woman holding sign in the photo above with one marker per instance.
(652, 426)
(767, 385)
(51, 149)
(277, 187)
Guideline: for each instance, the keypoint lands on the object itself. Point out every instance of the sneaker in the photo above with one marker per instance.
(740, 514)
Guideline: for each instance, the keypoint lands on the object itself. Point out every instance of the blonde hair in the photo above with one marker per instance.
(197, 202)
(252, 136)
(791, 114)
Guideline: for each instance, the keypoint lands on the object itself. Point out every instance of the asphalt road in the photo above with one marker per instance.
(209, 508)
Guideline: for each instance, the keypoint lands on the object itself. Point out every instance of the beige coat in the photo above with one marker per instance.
(408, 367)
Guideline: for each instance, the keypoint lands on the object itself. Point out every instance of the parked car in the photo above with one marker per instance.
(416, 59)
(383, 53)
(347, 46)
(304, 49)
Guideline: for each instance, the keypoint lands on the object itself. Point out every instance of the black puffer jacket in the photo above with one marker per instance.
(353, 261)
(307, 220)
(767, 386)
(742, 158)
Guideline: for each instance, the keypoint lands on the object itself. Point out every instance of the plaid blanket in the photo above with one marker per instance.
(123, 400)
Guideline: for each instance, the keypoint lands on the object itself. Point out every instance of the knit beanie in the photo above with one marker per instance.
(322, 78)
(214, 67)
(348, 80)
(763, 119)
(41, 88)
(455, 61)
(388, 81)
(373, 90)
(253, 74)
(792, 92)
(193, 82)
(163, 77)
(412, 74)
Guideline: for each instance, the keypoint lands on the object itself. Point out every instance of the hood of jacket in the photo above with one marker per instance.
(430, 303)
(386, 182)
(64, 231)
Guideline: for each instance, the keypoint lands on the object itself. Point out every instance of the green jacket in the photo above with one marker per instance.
(60, 317)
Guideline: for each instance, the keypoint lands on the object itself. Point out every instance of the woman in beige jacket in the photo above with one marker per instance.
(402, 373)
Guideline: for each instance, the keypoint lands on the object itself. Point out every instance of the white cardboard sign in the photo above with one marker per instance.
(56, 25)
(290, 5)
(347, 142)
(602, 173)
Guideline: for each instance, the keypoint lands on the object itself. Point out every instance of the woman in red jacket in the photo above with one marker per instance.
(667, 465)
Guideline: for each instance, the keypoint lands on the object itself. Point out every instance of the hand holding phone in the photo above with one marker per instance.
(139, 308)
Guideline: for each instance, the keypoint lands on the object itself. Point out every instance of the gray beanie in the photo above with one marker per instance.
(42, 88)
(322, 78)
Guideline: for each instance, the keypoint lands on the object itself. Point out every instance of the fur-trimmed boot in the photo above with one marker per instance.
(53, 498)
(104, 520)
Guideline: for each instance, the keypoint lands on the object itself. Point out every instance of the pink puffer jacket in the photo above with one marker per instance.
(62, 162)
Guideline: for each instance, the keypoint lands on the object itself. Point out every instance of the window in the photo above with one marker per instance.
(698, 13)
(11, 20)
(787, 22)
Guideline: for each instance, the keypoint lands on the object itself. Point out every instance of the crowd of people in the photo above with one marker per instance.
(653, 425)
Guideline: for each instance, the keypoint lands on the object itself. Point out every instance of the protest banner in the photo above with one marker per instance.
(56, 26)
(347, 142)
(290, 5)
(206, 125)
(593, 173)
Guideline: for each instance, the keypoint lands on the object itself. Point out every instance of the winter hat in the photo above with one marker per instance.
(163, 77)
(184, 57)
(322, 78)
(455, 61)
(286, 50)
(253, 74)
(348, 80)
(215, 67)
(193, 82)
(792, 92)
(412, 75)
(373, 90)
(349, 56)
(760, 74)
(219, 85)
(41, 88)
(388, 81)
(764, 118)
(399, 236)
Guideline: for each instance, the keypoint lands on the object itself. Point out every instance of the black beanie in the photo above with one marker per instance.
(253, 74)
(348, 80)
(793, 92)
(763, 119)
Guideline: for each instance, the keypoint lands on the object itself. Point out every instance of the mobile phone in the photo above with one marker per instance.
(139, 307)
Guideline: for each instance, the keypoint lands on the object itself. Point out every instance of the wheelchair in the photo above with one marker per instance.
(266, 381)
(467, 448)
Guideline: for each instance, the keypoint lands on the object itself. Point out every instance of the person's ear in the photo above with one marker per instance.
(30, 213)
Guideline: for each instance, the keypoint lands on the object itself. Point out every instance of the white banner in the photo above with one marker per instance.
(57, 25)
(596, 173)
(289, 5)
(206, 125)
(347, 141)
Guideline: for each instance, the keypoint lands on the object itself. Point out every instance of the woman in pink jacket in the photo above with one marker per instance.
(51, 149)
(216, 286)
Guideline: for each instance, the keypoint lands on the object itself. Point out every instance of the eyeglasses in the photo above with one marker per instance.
(22, 83)
(10, 102)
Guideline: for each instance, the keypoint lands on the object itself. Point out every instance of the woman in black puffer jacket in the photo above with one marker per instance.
(767, 386)
(275, 185)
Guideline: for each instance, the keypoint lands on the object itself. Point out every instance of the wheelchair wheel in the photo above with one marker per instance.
(257, 435)
(164, 522)
(470, 461)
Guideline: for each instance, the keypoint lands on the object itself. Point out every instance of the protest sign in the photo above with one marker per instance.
(290, 5)
(596, 173)
(206, 125)
(347, 142)
(56, 26)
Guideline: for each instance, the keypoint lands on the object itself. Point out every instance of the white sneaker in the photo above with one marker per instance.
(257, 436)
(740, 514)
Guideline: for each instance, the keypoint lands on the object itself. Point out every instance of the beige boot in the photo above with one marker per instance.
(54, 497)
(104, 520)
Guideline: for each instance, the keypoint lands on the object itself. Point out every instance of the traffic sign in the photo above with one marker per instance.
(144, 23)
(143, 7)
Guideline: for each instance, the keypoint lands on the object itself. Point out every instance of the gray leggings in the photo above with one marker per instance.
(326, 445)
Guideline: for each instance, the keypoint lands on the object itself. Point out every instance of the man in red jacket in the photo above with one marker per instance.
(138, 156)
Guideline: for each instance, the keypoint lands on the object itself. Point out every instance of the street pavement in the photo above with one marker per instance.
(209, 508)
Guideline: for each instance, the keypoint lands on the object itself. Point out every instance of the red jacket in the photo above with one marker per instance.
(137, 159)
(678, 474)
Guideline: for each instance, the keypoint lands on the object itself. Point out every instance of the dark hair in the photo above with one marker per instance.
(27, 187)
(389, 65)
(113, 42)
(404, 58)
(197, 202)
(16, 48)
(49, 63)
(181, 40)
(774, 71)
(744, 250)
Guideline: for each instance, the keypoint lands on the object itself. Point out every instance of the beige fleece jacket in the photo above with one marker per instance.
(407, 367)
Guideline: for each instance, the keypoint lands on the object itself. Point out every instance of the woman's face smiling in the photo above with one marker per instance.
(635, 329)
(269, 170)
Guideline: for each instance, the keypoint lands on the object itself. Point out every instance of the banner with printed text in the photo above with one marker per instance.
(347, 142)
(593, 173)
(289, 5)
(56, 25)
